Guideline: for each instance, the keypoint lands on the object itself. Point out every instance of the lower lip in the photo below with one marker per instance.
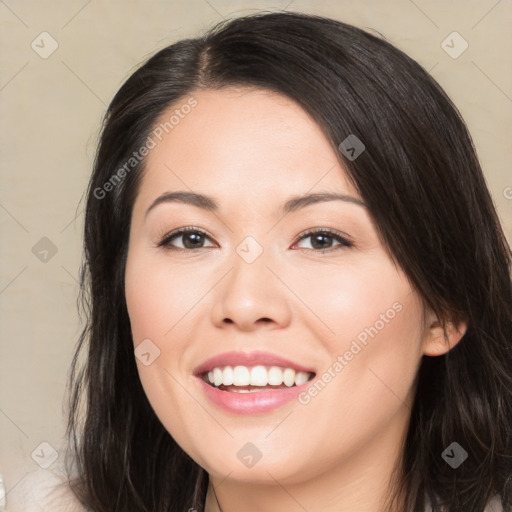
(251, 403)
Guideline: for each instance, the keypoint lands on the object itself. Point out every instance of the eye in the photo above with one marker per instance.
(321, 240)
(192, 238)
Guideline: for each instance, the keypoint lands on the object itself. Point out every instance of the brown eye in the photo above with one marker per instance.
(322, 240)
(192, 238)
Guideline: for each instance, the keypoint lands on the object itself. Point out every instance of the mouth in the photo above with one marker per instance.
(254, 379)
(252, 383)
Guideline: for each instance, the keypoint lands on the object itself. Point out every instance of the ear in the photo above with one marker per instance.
(438, 341)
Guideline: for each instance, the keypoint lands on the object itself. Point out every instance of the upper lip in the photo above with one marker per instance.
(248, 359)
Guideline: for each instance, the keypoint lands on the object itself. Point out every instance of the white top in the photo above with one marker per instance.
(45, 490)
(494, 505)
(42, 490)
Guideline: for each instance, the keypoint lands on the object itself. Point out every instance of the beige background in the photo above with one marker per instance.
(50, 112)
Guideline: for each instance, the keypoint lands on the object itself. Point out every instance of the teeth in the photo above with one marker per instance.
(275, 376)
(241, 376)
(256, 376)
(217, 376)
(289, 377)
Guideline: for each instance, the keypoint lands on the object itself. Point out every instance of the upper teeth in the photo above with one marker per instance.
(256, 376)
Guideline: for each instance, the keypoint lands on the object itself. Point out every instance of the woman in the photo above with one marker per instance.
(298, 290)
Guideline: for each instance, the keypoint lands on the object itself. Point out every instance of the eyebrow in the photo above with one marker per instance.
(291, 205)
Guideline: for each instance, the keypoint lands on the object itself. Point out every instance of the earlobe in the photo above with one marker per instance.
(439, 342)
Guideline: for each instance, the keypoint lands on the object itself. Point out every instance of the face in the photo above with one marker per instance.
(311, 284)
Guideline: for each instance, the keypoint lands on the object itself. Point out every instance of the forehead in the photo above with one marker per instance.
(249, 141)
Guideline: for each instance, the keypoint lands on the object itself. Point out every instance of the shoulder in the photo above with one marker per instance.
(494, 505)
(47, 490)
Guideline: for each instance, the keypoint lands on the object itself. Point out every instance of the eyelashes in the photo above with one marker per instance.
(196, 236)
(166, 241)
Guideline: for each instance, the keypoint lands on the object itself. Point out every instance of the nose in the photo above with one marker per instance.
(251, 297)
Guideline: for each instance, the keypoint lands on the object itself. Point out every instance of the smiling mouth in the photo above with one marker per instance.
(246, 379)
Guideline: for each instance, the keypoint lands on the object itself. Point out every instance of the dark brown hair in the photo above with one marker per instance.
(422, 182)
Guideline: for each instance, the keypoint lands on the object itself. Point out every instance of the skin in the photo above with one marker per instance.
(251, 150)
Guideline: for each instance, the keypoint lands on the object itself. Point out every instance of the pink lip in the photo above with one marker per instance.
(248, 359)
(251, 403)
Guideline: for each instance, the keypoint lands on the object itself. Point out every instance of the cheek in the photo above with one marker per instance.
(378, 365)
(372, 359)
(158, 295)
(349, 297)
(157, 299)
(368, 319)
